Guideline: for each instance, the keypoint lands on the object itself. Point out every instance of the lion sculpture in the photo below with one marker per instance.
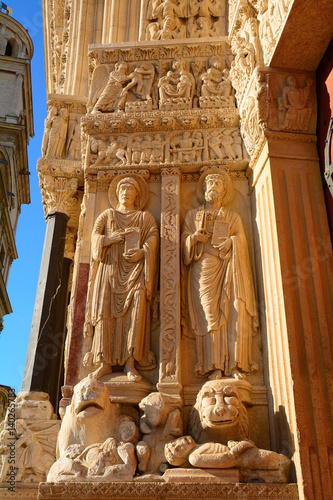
(219, 414)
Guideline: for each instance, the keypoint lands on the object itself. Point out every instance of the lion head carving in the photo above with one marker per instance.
(90, 418)
(219, 414)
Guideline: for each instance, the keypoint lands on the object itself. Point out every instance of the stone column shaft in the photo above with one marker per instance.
(46, 340)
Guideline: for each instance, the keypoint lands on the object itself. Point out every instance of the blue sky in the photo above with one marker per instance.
(24, 272)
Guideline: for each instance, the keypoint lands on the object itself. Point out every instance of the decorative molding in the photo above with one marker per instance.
(150, 490)
(170, 275)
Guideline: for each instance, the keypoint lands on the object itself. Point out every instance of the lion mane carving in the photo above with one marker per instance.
(219, 415)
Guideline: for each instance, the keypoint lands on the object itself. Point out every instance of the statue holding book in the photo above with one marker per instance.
(220, 305)
(122, 282)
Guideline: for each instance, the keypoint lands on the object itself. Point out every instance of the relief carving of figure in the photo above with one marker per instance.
(122, 281)
(201, 27)
(254, 463)
(58, 134)
(185, 148)
(219, 291)
(74, 142)
(34, 450)
(178, 85)
(206, 8)
(171, 28)
(266, 35)
(47, 128)
(166, 15)
(295, 106)
(215, 81)
(114, 95)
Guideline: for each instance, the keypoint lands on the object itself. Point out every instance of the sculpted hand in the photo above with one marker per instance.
(226, 246)
(116, 237)
(134, 255)
(200, 235)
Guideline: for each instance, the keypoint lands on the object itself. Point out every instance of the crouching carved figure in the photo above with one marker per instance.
(96, 441)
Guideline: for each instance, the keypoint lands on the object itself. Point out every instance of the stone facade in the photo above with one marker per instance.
(181, 170)
(16, 128)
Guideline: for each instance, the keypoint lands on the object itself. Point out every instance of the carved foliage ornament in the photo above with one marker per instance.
(59, 194)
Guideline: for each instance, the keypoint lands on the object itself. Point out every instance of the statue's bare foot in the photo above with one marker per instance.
(132, 373)
(238, 375)
(216, 375)
(104, 369)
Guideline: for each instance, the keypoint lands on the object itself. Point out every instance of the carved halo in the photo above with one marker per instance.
(228, 197)
(140, 180)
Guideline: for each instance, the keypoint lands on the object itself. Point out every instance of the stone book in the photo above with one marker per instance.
(132, 239)
(220, 232)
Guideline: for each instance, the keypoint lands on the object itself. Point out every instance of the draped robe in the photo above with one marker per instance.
(120, 292)
(219, 296)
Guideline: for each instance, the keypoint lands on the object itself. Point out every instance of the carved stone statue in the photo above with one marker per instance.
(219, 413)
(255, 464)
(96, 441)
(159, 424)
(74, 142)
(122, 281)
(58, 134)
(177, 87)
(295, 106)
(219, 292)
(47, 128)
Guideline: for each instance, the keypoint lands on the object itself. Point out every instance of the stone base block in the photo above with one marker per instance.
(166, 491)
(202, 476)
(19, 492)
(123, 391)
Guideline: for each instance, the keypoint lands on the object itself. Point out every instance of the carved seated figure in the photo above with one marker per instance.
(255, 464)
(176, 87)
(159, 424)
(215, 85)
(218, 414)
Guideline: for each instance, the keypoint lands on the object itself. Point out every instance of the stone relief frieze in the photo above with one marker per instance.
(178, 85)
(148, 150)
(171, 19)
(192, 118)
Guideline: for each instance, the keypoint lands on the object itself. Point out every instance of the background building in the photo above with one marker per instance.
(16, 127)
